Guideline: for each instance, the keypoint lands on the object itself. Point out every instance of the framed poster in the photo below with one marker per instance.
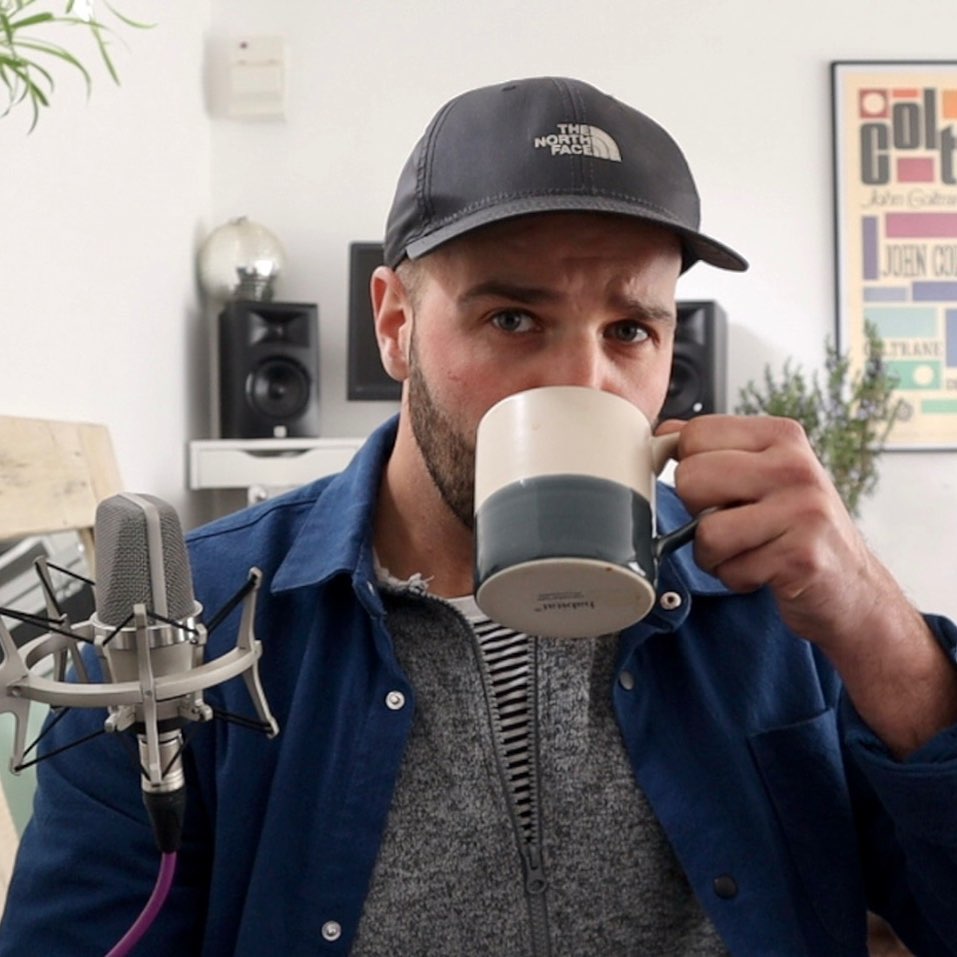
(895, 181)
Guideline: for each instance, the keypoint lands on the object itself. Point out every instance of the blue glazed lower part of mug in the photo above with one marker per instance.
(564, 516)
(565, 556)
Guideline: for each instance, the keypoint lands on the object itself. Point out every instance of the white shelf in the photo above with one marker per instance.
(266, 463)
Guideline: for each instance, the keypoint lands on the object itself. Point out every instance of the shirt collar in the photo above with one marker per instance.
(336, 534)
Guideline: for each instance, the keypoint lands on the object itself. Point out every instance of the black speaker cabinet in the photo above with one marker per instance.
(699, 380)
(366, 379)
(268, 370)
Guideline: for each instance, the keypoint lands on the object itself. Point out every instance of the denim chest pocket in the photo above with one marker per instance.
(802, 770)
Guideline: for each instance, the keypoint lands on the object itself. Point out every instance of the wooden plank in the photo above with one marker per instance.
(52, 475)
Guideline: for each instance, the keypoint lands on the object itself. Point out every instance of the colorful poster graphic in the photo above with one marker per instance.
(895, 161)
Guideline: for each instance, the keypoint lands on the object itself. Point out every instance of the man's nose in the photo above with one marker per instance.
(580, 362)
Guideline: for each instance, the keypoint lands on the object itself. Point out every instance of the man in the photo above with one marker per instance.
(767, 755)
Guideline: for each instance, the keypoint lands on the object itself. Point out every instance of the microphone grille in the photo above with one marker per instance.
(141, 557)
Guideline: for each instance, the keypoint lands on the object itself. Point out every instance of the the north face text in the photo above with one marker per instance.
(579, 139)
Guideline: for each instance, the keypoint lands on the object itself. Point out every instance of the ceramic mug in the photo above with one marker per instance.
(566, 542)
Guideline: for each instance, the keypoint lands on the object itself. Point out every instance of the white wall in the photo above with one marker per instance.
(743, 85)
(100, 210)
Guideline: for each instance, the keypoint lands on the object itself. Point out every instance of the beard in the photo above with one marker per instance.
(449, 456)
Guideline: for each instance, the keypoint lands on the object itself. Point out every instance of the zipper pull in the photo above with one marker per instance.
(534, 869)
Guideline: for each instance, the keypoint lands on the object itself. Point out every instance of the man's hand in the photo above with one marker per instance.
(779, 522)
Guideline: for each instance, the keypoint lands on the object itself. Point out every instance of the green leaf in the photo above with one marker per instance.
(31, 21)
(136, 24)
(98, 36)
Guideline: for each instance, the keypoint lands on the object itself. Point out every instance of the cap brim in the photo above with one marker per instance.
(697, 246)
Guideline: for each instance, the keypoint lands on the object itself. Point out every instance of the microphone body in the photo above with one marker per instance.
(146, 621)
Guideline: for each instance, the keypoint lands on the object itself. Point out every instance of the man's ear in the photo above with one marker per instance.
(392, 308)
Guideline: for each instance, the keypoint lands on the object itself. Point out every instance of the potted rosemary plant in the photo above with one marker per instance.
(847, 418)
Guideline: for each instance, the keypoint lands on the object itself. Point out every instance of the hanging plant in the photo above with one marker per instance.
(847, 419)
(27, 56)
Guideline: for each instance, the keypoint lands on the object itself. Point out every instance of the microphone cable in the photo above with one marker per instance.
(164, 881)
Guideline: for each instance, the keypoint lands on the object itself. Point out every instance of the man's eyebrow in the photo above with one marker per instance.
(642, 309)
(504, 289)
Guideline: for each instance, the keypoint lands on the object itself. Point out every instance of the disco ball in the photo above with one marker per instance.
(240, 260)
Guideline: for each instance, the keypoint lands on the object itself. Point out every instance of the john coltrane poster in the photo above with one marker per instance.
(895, 162)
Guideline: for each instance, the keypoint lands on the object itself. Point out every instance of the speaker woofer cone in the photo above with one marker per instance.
(698, 383)
(279, 388)
(686, 388)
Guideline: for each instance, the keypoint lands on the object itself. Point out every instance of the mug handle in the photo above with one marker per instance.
(663, 448)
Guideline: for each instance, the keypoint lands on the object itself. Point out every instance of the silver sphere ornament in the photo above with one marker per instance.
(240, 260)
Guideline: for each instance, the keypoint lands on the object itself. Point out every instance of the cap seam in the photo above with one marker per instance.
(424, 173)
(577, 105)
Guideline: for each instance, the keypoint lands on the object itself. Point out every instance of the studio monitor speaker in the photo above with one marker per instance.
(699, 370)
(268, 370)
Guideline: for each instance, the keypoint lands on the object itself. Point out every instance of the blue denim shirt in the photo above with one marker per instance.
(788, 815)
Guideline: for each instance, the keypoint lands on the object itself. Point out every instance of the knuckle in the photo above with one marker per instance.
(799, 470)
(790, 430)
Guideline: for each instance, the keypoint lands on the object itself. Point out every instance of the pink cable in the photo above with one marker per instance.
(154, 905)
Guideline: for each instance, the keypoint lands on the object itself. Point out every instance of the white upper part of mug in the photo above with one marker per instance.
(567, 430)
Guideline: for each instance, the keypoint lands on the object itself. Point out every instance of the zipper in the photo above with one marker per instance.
(533, 867)
(535, 885)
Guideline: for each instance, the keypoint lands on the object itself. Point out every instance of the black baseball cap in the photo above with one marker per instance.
(543, 144)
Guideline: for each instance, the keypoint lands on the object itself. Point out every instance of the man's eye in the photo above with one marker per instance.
(628, 331)
(513, 320)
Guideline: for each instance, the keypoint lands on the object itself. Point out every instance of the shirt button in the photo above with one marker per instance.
(395, 700)
(331, 930)
(725, 886)
(627, 680)
(670, 600)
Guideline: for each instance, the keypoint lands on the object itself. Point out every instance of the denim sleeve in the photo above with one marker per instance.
(907, 812)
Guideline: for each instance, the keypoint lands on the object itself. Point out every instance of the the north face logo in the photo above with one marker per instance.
(578, 139)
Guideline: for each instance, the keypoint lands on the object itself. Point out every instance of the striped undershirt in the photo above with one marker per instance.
(507, 656)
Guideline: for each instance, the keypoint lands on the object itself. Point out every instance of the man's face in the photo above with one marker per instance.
(559, 299)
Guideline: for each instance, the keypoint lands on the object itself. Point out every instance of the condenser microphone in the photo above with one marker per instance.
(150, 642)
(146, 618)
